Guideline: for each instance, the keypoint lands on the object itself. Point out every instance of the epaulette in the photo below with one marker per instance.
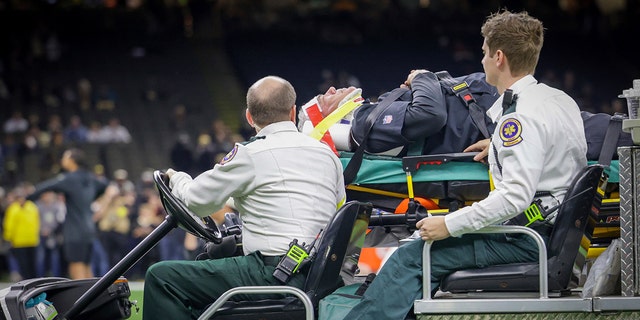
(509, 101)
(252, 139)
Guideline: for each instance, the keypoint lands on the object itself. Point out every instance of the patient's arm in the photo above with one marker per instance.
(427, 112)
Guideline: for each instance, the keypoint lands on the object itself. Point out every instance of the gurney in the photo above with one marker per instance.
(445, 183)
(448, 180)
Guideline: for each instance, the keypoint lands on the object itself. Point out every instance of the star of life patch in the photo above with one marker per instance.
(229, 155)
(510, 132)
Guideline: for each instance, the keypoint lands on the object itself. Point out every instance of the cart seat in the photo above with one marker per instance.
(562, 247)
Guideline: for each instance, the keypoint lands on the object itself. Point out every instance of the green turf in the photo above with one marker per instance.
(136, 313)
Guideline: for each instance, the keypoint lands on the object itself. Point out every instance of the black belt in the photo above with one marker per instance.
(543, 228)
(540, 194)
(271, 260)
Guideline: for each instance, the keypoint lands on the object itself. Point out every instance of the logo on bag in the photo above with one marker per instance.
(387, 119)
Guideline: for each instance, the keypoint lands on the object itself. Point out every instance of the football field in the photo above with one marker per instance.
(136, 295)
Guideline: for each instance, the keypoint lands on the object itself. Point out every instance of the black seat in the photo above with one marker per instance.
(342, 237)
(562, 247)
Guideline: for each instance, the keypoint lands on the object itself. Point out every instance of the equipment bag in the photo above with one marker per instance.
(604, 135)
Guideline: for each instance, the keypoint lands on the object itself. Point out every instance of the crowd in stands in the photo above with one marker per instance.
(126, 213)
(48, 105)
(210, 146)
(44, 108)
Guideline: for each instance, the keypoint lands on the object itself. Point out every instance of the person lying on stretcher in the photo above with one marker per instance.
(428, 113)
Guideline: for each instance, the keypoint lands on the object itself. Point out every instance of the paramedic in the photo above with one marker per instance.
(538, 147)
(278, 199)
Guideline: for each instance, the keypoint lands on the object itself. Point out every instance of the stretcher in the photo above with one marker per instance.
(445, 183)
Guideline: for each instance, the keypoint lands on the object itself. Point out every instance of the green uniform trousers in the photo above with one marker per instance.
(399, 283)
(183, 289)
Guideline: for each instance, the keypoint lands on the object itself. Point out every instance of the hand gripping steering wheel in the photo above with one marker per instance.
(186, 219)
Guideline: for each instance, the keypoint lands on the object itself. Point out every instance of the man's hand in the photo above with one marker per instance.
(170, 172)
(433, 228)
(410, 77)
(483, 147)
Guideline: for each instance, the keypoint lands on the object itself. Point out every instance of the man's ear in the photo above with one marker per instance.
(501, 59)
(293, 113)
(247, 115)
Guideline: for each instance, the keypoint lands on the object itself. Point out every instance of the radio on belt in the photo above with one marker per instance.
(296, 256)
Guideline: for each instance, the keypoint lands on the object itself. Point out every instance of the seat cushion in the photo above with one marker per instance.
(522, 277)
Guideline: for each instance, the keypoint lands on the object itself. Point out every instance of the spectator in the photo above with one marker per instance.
(114, 225)
(105, 99)
(222, 136)
(54, 124)
(178, 121)
(85, 94)
(75, 132)
(115, 132)
(33, 140)
(150, 215)
(49, 162)
(16, 124)
(35, 120)
(121, 180)
(171, 247)
(146, 185)
(95, 133)
(181, 154)
(204, 154)
(52, 214)
(21, 229)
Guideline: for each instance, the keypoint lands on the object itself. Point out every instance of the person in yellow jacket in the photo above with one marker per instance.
(22, 231)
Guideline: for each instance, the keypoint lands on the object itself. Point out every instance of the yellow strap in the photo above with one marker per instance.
(334, 117)
(491, 185)
(377, 191)
(341, 203)
(410, 184)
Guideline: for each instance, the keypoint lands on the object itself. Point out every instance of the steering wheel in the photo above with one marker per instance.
(186, 219)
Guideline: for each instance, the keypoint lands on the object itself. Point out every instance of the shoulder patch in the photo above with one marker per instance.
(229, 156)
(510, 132)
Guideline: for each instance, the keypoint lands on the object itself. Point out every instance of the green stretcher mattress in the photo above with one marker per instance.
(388, 170)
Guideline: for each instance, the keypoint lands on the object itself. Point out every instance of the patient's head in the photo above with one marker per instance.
(331, 99)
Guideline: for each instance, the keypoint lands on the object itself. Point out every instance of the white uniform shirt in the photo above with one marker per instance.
(541, 147)
(285, 185)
